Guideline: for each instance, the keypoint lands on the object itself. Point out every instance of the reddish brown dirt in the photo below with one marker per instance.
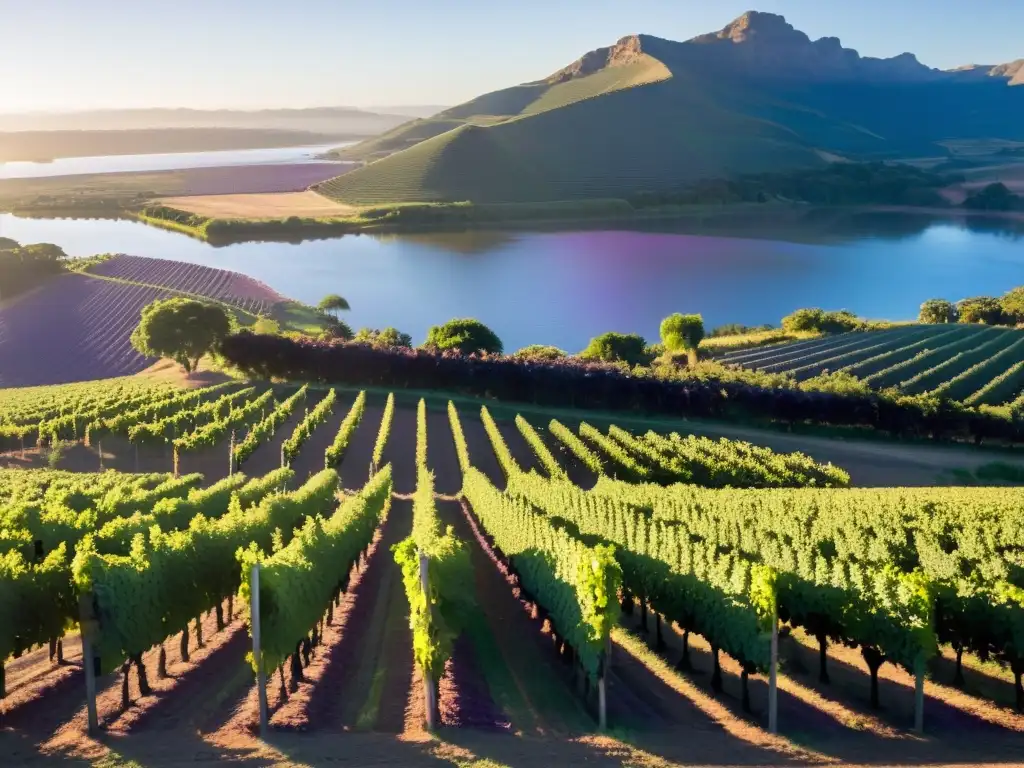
(518, 637)
(59, 717)
(835, 719)
(346, 662)
(464, 699)
(32, 680)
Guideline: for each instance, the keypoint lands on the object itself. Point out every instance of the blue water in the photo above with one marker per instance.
(563, 288)
(73, 166)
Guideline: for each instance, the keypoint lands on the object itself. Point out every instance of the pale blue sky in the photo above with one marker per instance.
(83, 54)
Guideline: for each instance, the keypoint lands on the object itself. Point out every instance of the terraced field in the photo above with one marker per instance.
(979, 365)
(175, 673)
(77, 327)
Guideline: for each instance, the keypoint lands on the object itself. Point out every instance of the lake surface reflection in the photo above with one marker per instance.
(562, 288)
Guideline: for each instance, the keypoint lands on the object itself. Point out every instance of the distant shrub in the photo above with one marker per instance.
(465, 335)
(540, 352)
(612, 347)
(938, 311)
(994, 197)
(682, 333)
(336, 329)
(388, 337)
(736, 329)
(1013, 306)
(980, 309)
(837, 383)
(820, 321)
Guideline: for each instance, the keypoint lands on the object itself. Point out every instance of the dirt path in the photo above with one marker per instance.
(835, 720)
(523, 674)
(365, 658)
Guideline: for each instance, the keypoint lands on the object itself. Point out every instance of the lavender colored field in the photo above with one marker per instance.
(75, 328)
(230, 287)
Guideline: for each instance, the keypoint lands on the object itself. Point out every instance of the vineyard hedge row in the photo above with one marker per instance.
(578, 384)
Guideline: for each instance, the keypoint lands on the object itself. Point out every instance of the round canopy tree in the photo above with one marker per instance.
(938, 311)
(182, 330)
(682, 333)
(465, 335)
(615, 347)
(980, 309)
(333, 304)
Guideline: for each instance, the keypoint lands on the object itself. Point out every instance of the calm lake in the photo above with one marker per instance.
(172, 161)
(562, 288)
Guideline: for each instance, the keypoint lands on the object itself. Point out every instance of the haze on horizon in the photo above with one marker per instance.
(63, 55)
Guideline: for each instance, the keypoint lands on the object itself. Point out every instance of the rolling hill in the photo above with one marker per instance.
(648, 113)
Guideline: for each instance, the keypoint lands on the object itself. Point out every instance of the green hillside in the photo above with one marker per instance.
(648, 114)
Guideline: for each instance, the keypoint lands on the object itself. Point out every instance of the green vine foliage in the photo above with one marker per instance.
(161, 585)
(437, 616)
(573, 582)
(304, 429)
(461, 447)
(214, 431)
(576, 447)
(264, 429)
(508, 463)
(300, 578)
(385, 430)
(336, 450)
(540, 450)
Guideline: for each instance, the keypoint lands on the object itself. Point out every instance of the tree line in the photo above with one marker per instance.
(24, 267)
(1007, 309)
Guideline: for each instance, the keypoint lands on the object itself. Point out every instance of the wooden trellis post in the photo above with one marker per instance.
(90, 630)
(919, 695)
(773, 676)
(428, 682)
(261, 673)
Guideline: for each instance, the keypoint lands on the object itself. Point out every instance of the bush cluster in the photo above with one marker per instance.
(578, 383)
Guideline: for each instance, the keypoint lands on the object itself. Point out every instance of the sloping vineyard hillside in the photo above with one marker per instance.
(490, 573)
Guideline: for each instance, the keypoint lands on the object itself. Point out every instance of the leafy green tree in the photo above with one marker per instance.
(388, 337)
(938, 311)
(612, 347)
(336, 329)
(820, 321)
(332, 304)
(980, 309)
(682, 333)
(994, 197)
(182, 330)
(541, 352)
(1013, 305)
(465, 335)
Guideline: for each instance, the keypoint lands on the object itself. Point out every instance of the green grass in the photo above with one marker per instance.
(546, 156)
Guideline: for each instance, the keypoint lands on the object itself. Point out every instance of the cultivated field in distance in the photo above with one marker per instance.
(977, 364)
(305, 204)
(77, 327)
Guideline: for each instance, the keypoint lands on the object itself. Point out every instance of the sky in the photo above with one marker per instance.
(62, 55)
